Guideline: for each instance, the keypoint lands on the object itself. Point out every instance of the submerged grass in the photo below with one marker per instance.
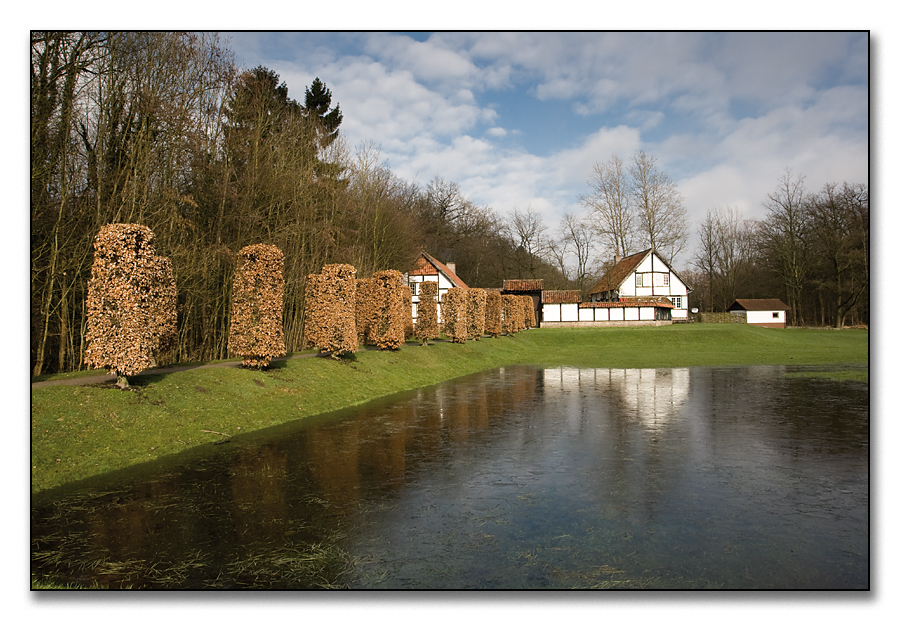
(81, 431)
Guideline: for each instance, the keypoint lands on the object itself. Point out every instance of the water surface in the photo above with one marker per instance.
(520, 477)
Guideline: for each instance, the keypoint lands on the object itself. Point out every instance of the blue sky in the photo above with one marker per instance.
(518, 119)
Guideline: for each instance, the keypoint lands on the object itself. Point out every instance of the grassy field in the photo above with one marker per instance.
(80, 431)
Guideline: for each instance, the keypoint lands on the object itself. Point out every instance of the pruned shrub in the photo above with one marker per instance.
(529, 319)
(427, 326)
(388, 331)
(130, 303)
(493, 313)
(476, 304)
(256, 332)
(333, 310)
(513, 315)
(454, 312)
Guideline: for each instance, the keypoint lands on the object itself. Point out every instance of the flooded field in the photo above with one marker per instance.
(516, 478)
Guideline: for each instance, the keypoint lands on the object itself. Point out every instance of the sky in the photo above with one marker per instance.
(519, 119)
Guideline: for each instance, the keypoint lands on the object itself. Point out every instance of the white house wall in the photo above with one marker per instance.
(569, 312)
(765, 317)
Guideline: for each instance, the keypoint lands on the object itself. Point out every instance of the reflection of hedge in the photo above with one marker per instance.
(454, 307)
(475, 311)
(256, 332)
(331, 310)
(513, 315)
(130, 303)
(530, 321)
(493, 313)
(426, 312)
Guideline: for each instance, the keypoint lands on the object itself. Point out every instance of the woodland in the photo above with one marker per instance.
(164, 130)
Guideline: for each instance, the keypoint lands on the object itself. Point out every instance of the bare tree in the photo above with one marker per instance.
(783, 238)
(610, 206)
(576, 243)
(723, 254)
(661, 219)
(528, 233)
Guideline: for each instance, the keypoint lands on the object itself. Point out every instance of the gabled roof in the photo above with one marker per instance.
(759, 304)
(427, 264)
(619, 273)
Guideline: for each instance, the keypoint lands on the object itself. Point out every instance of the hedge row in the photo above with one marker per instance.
(720, 318)
(427, 326)
(256, 331)
(131, 302)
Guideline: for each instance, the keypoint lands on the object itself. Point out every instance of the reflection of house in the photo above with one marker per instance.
(769, 313)
(653, 395)
(646, 276)
(427, 267)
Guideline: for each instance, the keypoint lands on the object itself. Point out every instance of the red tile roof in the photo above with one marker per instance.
(657, 302)
(523, 285)
(617, 274)
(428, 265)
(561, 297)
(759, 304)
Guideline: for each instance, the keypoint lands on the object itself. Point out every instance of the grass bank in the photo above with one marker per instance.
(80, 431)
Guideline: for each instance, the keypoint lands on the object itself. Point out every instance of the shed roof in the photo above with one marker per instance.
(523, 285)
(561, 297)
(759, 304)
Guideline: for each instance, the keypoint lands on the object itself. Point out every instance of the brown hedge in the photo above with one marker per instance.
(388, 331)
(454, 307)
(131, 301)
(427, 326)
(256, 332)
(314, 315)
(475, 309)
(493, 313)
(367, 308)
(331, 310)
(513, 314)
(528, 310)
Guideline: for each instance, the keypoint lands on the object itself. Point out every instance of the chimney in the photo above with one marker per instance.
(451, 267)
(618, 258)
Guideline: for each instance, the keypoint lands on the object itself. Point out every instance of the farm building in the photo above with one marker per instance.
(529, 288)
(426, 267)
(643, 276)
(565, 309)
(768, 313)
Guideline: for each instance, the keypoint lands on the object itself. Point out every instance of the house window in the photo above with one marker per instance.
(775, 315)
(642, 280)
(414, 286)
(665, 280)
(676, 301)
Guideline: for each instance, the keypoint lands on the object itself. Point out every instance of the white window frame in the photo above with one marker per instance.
(676, 300)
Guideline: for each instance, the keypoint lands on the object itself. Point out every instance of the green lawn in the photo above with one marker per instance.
(80, 431)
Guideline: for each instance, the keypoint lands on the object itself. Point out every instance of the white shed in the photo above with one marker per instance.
(768, 313)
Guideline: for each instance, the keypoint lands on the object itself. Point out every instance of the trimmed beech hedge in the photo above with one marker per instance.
(493, 313)
(427, 326)
(131, 302)
(256, 332)
(454, 312)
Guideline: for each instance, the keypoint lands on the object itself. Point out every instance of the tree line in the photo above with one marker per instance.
(164, 130)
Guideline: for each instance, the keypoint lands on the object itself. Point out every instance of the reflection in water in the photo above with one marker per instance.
(514, 478)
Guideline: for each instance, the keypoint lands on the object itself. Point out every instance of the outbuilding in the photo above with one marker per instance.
(426, 267)
(768, 313)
